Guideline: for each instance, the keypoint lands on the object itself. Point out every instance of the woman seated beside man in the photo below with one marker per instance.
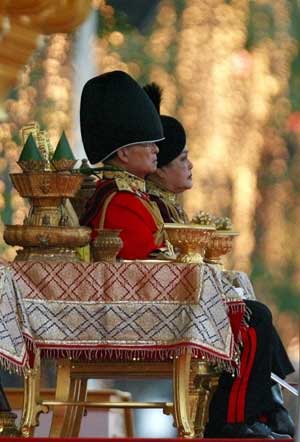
(246, 405)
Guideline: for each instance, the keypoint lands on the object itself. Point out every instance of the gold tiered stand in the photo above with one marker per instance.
(45, 233)
(47, 181)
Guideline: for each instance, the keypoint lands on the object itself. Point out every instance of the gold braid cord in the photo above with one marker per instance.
(21, 23)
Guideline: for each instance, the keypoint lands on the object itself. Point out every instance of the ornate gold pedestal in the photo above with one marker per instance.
(206, 379)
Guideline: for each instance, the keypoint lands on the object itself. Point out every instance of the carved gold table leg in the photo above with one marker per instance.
(74, 414)
(194, 391)
(181, 374)
(206, 384)
(32, 406)
(62, 393)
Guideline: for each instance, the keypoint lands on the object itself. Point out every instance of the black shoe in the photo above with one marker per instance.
(281, 422)
(265, 431)
(239, 431)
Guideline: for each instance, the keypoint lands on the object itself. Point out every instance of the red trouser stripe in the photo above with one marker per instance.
(241, 405)
(233, 396)
(237, 396)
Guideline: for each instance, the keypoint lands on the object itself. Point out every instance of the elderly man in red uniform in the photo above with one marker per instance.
(119, 127)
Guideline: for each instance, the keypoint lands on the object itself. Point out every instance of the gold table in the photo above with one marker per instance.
(150, 320)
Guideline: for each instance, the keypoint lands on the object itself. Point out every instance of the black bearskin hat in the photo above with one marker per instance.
(115, 112)
(175, 138)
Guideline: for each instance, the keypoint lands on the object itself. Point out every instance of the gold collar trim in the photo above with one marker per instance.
(166, 195)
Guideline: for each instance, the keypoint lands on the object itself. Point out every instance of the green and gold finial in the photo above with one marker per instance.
(31, 158)
(30, 150)
(63, 158)
(63, 150)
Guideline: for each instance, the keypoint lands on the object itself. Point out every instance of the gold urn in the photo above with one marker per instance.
(219, 245)
(106, 245)
(189, 240)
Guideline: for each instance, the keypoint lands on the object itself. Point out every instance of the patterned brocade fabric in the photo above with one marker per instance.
(121, 310)
(241, 280)
(106, 282)
(14, 327)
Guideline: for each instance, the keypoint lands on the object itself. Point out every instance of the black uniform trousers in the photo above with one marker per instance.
(246, 397)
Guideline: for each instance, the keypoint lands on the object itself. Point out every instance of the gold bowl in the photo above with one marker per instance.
(106, 245)
(219, 245)
(46, 236)
(63, 165)
(47, 185)
(32, 165)
(189, 240)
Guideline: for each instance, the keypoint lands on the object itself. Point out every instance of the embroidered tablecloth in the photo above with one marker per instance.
(14, 327)
(132, 309)
(240, 280)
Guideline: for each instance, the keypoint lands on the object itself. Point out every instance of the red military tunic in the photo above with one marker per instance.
(120, 203)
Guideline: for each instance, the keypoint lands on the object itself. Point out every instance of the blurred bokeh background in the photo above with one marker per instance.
(230, 71)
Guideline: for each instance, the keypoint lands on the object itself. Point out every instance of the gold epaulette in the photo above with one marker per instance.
(126, 181)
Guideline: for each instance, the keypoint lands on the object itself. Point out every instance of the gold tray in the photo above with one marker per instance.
(49, 236)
